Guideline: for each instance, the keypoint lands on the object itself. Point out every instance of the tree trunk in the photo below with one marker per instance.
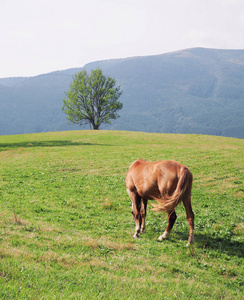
(95, 127)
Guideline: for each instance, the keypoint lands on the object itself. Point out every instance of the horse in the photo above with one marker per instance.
(166, 181)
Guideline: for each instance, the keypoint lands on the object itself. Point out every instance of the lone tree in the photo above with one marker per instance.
(92, 99)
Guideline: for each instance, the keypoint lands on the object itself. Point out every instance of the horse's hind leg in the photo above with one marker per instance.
(190, 219)
(189, 212)
(143, 213)
(136, 206)
(171, 221)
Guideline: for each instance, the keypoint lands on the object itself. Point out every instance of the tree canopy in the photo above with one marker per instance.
(92, 99)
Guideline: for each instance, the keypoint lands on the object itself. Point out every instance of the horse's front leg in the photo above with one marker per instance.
(171, 221)
(143, 213)
(136, 206)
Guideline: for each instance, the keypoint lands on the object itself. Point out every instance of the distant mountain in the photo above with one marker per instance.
(189, 91)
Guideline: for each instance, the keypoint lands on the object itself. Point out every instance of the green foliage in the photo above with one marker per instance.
(92, 99)
(66, 230)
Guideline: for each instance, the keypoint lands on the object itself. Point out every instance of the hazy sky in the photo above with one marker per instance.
(40, 36)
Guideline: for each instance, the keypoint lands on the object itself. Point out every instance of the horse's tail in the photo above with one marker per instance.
(167, 202)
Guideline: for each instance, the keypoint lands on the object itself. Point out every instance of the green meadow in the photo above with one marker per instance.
(66, 229)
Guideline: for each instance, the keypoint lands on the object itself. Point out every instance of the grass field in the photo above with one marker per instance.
(66, 231)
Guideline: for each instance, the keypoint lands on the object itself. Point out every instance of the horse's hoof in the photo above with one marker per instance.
(136, 236)
(165, 236)
(190, 241)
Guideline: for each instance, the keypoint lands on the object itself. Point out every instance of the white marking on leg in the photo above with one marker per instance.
(164, 236)
(190, 241)
(136, 235)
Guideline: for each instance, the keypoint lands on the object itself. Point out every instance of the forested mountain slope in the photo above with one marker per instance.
(189, 91)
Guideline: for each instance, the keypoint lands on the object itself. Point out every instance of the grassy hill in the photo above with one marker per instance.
(66, 228)
(190, 91)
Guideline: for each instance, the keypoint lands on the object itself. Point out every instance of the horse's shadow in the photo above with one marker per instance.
(223, 245)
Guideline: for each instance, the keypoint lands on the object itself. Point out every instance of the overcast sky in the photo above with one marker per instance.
(41, 36)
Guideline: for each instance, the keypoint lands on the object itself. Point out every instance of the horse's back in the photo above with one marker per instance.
(157, 176)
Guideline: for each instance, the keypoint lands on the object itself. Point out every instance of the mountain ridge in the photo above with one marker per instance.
(195, 90)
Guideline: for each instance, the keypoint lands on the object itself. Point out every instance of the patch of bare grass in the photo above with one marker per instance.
(118, 245)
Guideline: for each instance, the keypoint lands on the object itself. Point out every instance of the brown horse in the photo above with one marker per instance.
(168, 182)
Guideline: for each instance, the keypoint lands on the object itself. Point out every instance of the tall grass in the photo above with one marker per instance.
(66, 231)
